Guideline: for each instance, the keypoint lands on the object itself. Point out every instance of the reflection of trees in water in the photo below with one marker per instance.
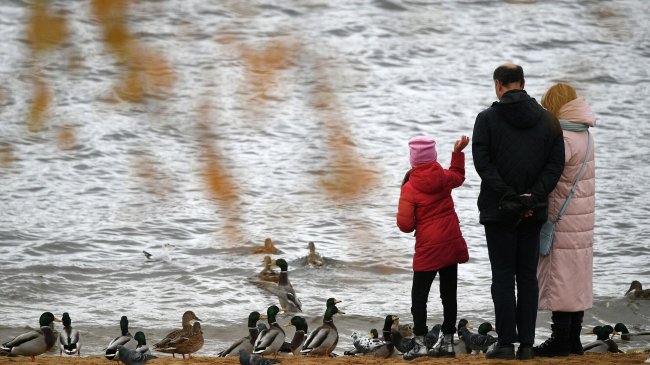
(146, 75)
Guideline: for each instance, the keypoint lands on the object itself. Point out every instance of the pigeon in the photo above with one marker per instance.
(246, 358)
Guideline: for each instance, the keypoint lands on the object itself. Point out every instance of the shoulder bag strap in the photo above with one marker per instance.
(575, 183)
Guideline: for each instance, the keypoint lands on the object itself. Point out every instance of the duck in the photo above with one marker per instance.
(603, 342)
(459, 346)
(286, 294)
(323, 340)
(298, 337)
(477, 342)
(636, 291)
(267, 273)
(188, 343)
(247, 342)
(142, 347)
(622, 329)
(625, 333)
(133, 357)
(126, 340)
(270, 341)
(166, 344)
(268, 247)
(314, 258)
(69, 338)
(35, 342)
(383, 347)
(364, 344)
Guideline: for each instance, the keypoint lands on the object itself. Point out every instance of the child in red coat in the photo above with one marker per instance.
(426, 206)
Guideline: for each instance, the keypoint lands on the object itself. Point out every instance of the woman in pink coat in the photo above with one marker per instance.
(565, 275)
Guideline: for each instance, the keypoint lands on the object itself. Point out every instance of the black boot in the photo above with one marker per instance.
(574, 339)
(557, 345)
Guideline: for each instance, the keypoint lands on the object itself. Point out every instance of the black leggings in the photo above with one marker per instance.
(422, 281)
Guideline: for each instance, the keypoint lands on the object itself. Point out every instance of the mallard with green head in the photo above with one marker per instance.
(142, 347)
(286, 294)
(322, 341)
(477, 342)
(459, 346)
(636, 291)
(35, 342)
(247, 342)
(622, 329)
(270, 341)
(603, 341)
(188, 343)
(298, 337)
(69, 338)
(165, 346)
(125, 339)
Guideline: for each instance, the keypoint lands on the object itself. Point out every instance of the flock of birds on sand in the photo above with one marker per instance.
(271, 339)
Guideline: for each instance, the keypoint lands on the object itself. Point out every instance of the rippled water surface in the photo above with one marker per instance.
(221, 123)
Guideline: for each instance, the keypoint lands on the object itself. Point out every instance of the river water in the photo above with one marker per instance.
(196, 129)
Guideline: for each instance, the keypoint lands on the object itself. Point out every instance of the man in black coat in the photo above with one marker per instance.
(518, 152)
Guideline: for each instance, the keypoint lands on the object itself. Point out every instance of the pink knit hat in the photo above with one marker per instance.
(423, 150)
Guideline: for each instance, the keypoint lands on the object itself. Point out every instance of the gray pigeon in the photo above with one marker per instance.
(133, 357)
(246, 358)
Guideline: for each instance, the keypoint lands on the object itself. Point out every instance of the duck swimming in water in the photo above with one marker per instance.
(314, 258)
(267, 273)
(636, 291)
(247, 342)
(126, 340)
(167, 344)
(69, 338)
(268, 247)
(35, 342)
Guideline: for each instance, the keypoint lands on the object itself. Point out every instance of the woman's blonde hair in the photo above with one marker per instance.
(558, 95)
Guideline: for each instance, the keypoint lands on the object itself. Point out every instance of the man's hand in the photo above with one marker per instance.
(461, 143)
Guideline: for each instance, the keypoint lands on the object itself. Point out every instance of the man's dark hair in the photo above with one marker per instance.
(508, 74)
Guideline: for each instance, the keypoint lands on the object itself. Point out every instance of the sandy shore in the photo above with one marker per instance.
(597, 359)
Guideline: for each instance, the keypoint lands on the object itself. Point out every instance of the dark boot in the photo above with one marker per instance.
(574, 339)
(557, 345)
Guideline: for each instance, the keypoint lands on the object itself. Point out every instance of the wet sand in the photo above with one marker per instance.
(596, 359)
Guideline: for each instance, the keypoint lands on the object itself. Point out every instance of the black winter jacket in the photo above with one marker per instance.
(517, 148)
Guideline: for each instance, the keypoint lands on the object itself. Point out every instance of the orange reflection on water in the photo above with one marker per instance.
(262, 65)
(6, 156)
(148, 75)
(153, 180)
(348, 176)
(111, 15)
(65, 137)
(220, 184)
(40, 103)
(44, 30)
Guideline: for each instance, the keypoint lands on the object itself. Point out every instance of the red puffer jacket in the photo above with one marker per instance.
(426, 206)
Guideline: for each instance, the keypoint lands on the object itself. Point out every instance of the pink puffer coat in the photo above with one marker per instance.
(565, 276)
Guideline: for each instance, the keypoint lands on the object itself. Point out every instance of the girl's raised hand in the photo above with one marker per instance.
(461, 143)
